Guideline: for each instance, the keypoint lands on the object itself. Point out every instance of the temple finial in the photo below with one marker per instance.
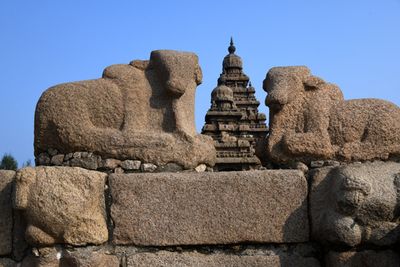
(231, 48)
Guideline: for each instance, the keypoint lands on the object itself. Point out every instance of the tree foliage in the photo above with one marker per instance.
(8, 162)
(27, 163)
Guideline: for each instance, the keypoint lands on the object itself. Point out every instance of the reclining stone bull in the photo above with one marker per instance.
(310, 120)
(144, 110)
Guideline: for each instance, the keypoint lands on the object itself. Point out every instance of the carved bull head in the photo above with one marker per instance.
(285, 84)
(178, 70)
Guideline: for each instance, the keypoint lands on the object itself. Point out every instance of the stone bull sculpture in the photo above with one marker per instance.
(310, 120)
(144, 110)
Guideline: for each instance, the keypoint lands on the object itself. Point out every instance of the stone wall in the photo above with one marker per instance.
(92, 161)
(69, 216)
(125, 180)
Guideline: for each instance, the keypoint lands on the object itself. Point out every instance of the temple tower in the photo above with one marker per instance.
(233, 121)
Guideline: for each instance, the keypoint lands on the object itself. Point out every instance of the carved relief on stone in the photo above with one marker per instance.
(62, 205)
(356, 204)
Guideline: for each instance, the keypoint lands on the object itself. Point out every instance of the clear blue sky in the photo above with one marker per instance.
(355, 44)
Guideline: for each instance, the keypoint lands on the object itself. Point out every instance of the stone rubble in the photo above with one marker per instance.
(92, 161)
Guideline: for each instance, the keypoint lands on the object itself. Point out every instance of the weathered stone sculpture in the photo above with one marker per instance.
(357, 203)
(62, 205)
(144, 110)
(310, 120)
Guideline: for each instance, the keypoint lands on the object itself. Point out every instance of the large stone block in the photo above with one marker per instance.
(143, 110)
(161, 209)
(310, 120)
(6, 216)
(356, 203)
(365, 258)
(62, 205)
(188, 259)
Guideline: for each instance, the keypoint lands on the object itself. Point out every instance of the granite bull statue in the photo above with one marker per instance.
(310, 120)
(144, 110)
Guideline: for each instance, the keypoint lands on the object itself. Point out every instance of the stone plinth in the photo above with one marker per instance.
(160, 209)
(187, 259)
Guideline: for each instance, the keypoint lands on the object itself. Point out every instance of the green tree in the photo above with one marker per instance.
(27, 163)
(8, 162)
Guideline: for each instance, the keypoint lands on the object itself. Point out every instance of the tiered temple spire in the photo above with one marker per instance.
(233, 120)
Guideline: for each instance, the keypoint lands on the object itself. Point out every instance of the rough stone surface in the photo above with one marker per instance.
(172, 259)
(68, 156)
(90, 163)
(62, 205)
(209, 208)
(201, 168)
(6, 221)
(20, 246)
(4, 262)
(367, 258)
(43, 159)
(317, 164)
(43, 257)
(131, 165)
(169, 167)
(52, 152)
(111, 163)
(118, 170)
(89, 260)
(356, 204)
(82, 257)
(148, 167)
(310, 120)
(144, 111)
(57, 159)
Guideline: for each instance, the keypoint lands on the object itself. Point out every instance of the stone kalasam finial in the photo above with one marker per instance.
(310, 120)
(232, 62)
(144, 111)
(231, 48)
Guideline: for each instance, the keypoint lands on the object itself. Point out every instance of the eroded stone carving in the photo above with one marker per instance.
(143, 111)
(62, 205)
(310, 120)
(357, 203)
